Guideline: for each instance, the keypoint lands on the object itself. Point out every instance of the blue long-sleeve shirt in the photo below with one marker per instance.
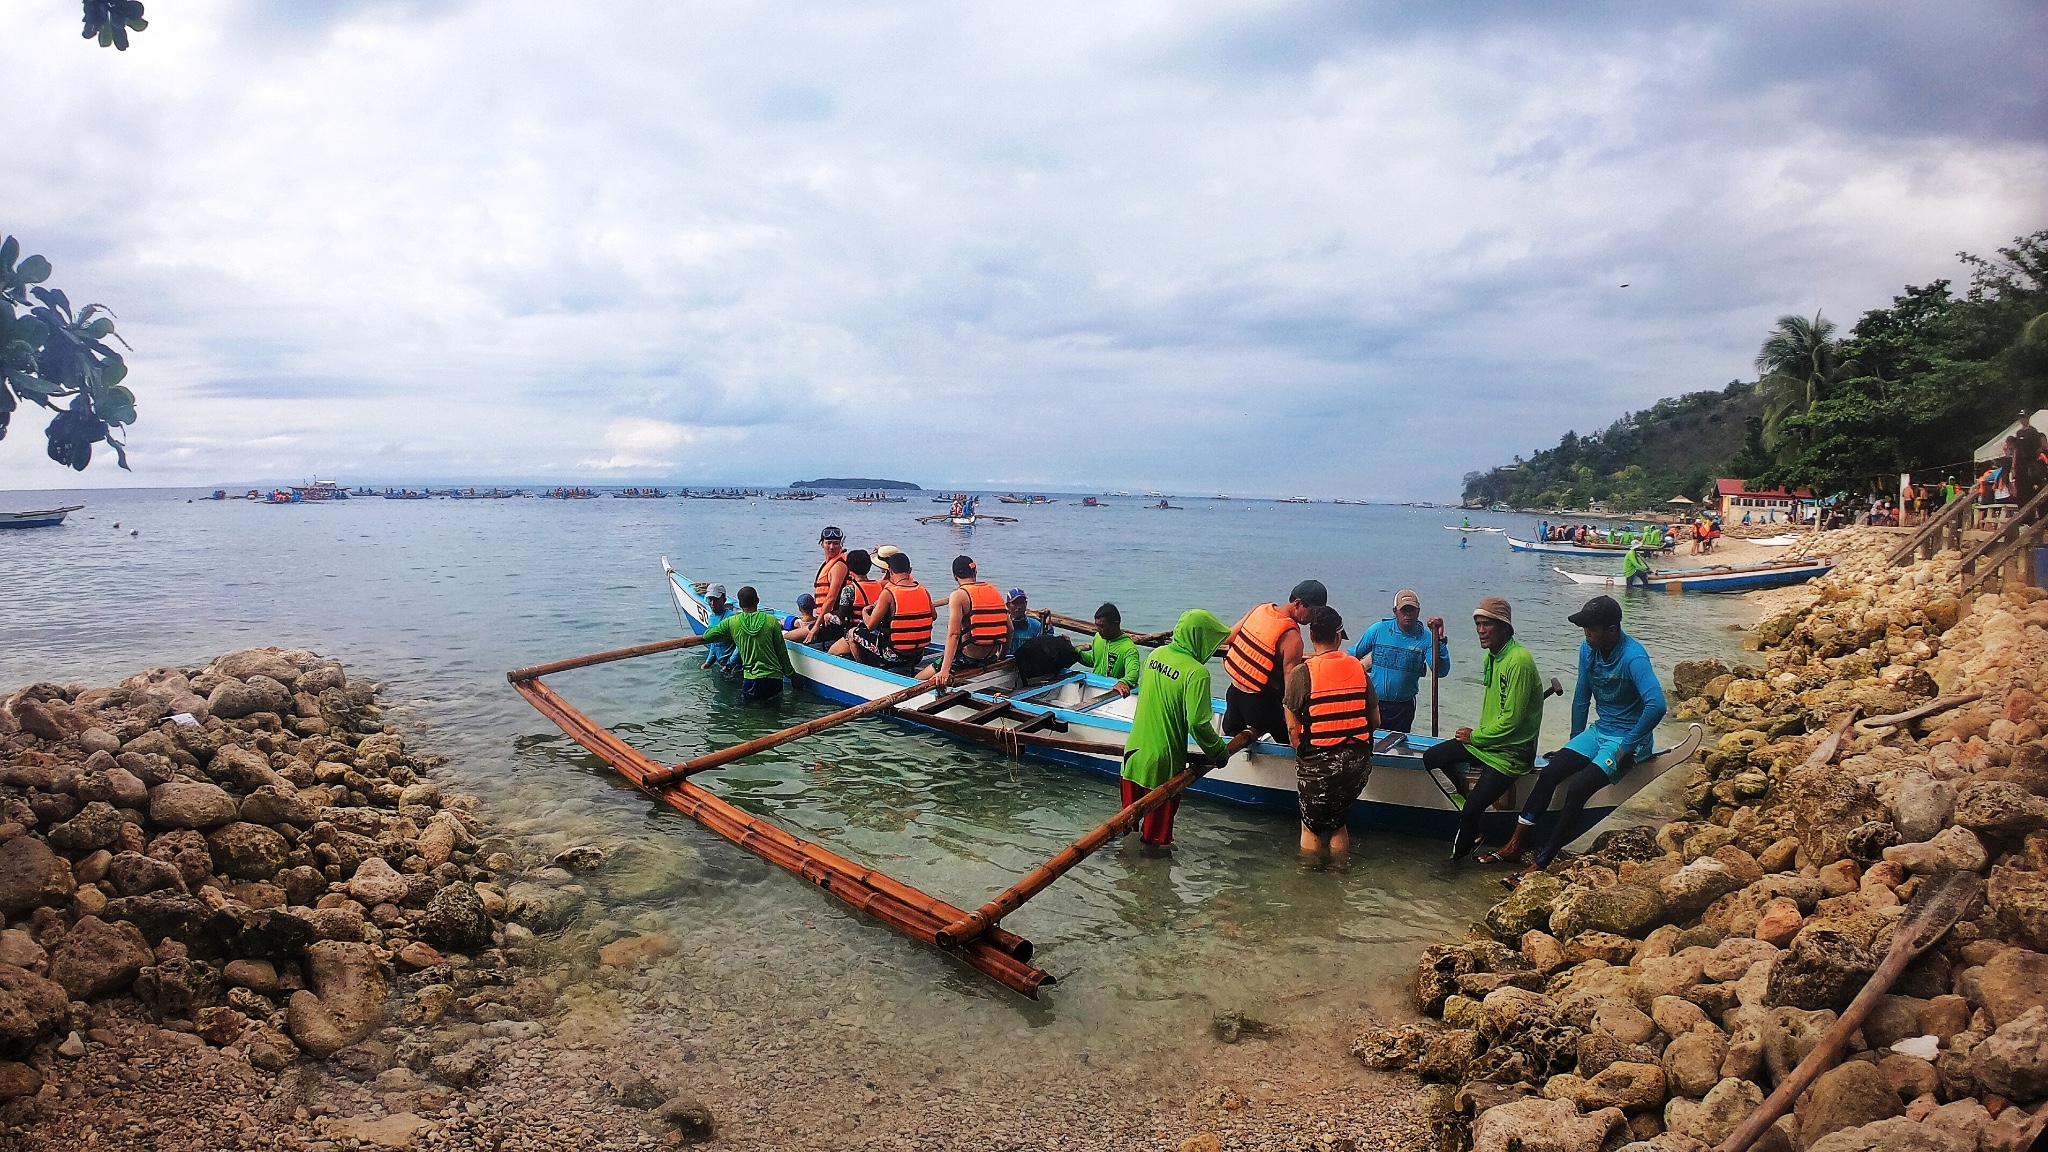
(1624, 686)
(1399, 658)
(1021, 630)
(721, 653)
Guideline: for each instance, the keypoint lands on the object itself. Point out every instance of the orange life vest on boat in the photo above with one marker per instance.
(1338, 697)
(821, 587)
(1253, 655)
(988, 618)
(910, 624)
(865, 593)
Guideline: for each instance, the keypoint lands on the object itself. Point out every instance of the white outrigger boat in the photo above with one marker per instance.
(1472, 528)
(1613, 551)
(1079, 720)
(1720, 579)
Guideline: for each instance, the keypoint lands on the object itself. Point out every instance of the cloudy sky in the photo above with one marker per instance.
(1341, 247)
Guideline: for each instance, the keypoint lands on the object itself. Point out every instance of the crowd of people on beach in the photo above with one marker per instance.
(1323, 693)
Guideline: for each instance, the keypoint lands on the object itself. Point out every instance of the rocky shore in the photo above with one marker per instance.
(240, 913)
(1650, 994)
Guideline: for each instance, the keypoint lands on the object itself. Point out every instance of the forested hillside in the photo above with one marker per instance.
(1911, 388)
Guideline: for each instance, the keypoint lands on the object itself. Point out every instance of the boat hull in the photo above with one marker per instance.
(37, 518)
(1611, 553)
(1400, 797)
(1702, 580)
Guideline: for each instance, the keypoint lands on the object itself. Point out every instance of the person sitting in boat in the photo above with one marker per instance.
(1331, 714)
(764, 657)
(827, 585)
(1023, 625)
(1259, 653)
(855, 597)
(799, 626)
(1110, 653)
(977, 628)
(1634, 569)
(1173, 707)
(1617, 682)
(896, 628)
(720, 654)
(1397, 651)
(1502, 749)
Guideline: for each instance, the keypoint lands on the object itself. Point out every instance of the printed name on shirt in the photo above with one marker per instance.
(1166, 670)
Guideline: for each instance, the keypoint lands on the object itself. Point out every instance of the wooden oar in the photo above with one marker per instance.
(1087, 628)
(1940, 902)
(1038, 879)
(1921, 713)
(658, 780)
(540, 670)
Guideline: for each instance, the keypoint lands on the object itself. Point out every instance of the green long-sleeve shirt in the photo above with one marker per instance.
(1633, 563)
(758, 636)
(1116, 659)
(1174, 703)
(1510, 711)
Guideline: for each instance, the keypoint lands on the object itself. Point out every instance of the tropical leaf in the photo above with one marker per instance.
(33, 270)
(10, 248)
(115, 405)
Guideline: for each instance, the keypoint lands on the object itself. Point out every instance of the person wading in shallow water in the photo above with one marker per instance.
(1331, 714)
(764, 658)
(1173, 705)
(1617, 679)
(1503, 747)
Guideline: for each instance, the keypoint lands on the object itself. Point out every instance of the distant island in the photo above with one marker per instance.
(856, 482)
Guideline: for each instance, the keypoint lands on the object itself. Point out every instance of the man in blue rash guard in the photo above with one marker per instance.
(1397, 651)
(1616, 680)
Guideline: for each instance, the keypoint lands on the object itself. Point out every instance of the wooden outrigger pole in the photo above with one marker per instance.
(1001, 954)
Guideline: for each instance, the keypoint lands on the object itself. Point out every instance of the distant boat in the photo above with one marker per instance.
(1221, 496)
(1613, 551)
(1297, 500)
(1119, 493)
(1500, 508)
(1471, 528)
(320, 490)
(1092, 502)
(1720, 579)
(1165, 505)
(39, 518)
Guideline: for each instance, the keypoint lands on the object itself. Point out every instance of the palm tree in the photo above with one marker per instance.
(1797, 361)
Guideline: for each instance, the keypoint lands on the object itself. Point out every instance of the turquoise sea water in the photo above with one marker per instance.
(439, 598)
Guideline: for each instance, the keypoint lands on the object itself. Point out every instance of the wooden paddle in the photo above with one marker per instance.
(1038, 879)
(658, 780)
(1940, 901)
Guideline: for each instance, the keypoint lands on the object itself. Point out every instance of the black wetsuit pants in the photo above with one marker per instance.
(1580, 778)
(1456, 761)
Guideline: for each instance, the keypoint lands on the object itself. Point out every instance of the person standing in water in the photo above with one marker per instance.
(763, 655)
(1398, 651)
(1258, 654)
(1173, 706)
(1331, 714)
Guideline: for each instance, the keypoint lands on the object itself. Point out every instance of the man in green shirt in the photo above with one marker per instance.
(1503, 747)
(764, 658)
(1110, 653)
(1173, 704)
(1635, 569)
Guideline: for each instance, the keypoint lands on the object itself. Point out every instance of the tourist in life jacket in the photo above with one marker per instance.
(855, 596)
(977, 628)
(894, 630)
(1331, 714)
(1258, 654)
(827, 586)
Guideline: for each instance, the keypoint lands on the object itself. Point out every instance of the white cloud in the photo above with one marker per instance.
(1348, 248)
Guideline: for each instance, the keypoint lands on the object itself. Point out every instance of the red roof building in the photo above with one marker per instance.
(1733, 500)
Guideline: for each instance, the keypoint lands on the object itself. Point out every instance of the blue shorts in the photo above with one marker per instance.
(1606, 750)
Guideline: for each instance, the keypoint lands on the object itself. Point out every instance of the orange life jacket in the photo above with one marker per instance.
(865, 592)
(1338, 692)
(988, 618)
(821, 587)
(1253, 655)
(910, 625)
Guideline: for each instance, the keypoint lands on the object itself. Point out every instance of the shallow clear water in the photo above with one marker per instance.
(440, 597)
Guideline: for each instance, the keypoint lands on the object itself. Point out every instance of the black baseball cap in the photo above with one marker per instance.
(1311, 593)
(1599, 612)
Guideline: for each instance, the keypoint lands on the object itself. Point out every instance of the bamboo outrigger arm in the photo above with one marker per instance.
(1001, 954)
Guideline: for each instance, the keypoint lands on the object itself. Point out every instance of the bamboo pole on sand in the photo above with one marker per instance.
(973, 924)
